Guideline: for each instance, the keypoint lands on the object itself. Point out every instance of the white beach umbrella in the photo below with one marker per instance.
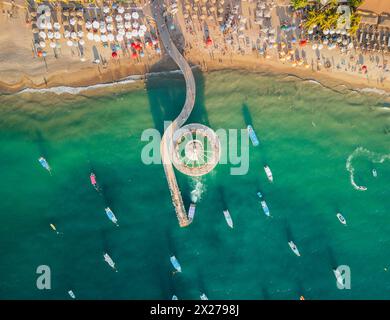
(326, 41)
(314, 46)
(106, 9)
(320, 46)
(141, 33)
(119, 37)
(49, 26)
(69, 43)
(80, 34)
(185, 15)
(310, 31)
(331, 31)
(72, 21)
(95, 24)
(119, 26)
(57, 35)
(110, 37)
(127, 25)
(110, 27)
(121, 32)
(345, 42)
(109, 19)
(48, 13)
(52, 45)
(42, 44)
(73, 35)
(90, 36)
(119, 18)
(127, 16)
(135, 15)
(129, 35)
(104, 38)
(96, 37)
(88, 25)
(66, 34)
(56, 26)
(143, 28)
(50, 35)
(135, 25)
(103, 30)
(134, 33)
(42, 34)
(121, 10)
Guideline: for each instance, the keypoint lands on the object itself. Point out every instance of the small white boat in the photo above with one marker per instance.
(341, 218)
(252, 136)
(268, 172)
(174, 297)
(265, 208)
(72, 295)
(374, 173)
(44, 164)
(175, 263)
(54, 228)
(110, 262)
(228, 218)
(191, 212)
(294, 248)
(111, 216)
(203, 297)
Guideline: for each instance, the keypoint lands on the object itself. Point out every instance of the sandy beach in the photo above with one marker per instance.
(20, 69)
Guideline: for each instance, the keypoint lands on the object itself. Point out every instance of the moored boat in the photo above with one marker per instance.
(228, 218)
(341, 218)
(44, 164)
(265, 208)
(203, 297)
(294, 248)
(268, 172)
(111, 216)
(175, 263)
(174, 297)
(191, 212)
(374, 173)
(93, 181)
(110, 262)
(252, 136)
(72, 295)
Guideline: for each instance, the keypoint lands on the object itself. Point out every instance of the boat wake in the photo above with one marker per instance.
(372, 156)
(198, 189)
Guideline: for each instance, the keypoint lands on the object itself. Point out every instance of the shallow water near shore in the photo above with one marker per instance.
(307, 133)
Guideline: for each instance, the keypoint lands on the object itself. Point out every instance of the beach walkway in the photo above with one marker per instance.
(170, 47)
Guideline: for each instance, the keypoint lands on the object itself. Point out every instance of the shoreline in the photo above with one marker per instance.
(72, 83)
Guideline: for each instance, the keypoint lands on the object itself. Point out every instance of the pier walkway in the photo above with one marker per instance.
(158, 10)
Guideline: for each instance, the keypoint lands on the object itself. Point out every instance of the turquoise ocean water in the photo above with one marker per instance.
(307, 133)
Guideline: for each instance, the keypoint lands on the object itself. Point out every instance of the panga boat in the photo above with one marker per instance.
(70, 292)
(108, 259)
(228, 218)
(191, 212)
(111, 216)
(252, 136)
(265, 208)
(93, 181)
(374, 173)
(263, 204)
(174, 297)
(268, 172)
(294, 248)
(341, 218)
(54, 228)
(44, 164)
(203, 297)
(175, 263)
